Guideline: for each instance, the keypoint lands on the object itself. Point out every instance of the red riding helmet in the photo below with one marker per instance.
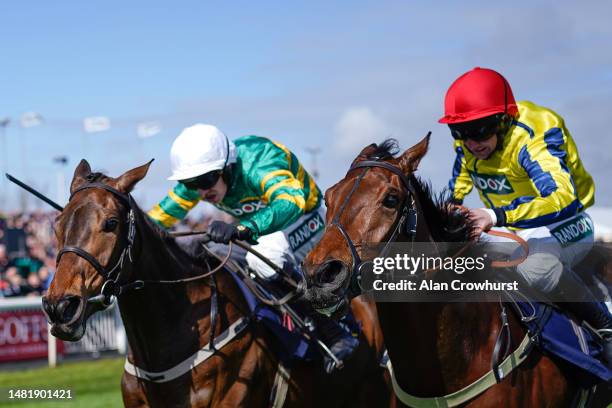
(476, 94)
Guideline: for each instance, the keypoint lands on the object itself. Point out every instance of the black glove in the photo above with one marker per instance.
(223, 232)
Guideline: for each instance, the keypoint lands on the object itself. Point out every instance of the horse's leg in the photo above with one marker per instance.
(376, 387)
(252, 380)
(133, 395)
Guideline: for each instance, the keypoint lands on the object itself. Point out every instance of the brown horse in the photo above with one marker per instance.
(435, 348)
(167, 317)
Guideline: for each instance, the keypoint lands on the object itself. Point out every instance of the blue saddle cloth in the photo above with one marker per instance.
(563, 338)
(291, 345)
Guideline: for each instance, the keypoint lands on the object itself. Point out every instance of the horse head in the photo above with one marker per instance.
(368, 206)
(95, 238)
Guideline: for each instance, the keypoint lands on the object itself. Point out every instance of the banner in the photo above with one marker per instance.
(96, 124)
(31, 119)
(148, 129)
(23, 335)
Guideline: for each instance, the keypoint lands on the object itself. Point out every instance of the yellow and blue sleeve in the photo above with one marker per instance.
(543, 162)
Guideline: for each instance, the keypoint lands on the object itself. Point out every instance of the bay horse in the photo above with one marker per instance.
(168, 315)
(435, 348)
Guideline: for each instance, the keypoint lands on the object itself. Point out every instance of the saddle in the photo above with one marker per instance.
(553, 332)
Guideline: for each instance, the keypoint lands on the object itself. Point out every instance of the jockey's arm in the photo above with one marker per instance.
(460, 183)
(175, 206)
(543, 163)
(286, 202)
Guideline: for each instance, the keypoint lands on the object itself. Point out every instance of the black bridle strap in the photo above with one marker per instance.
(125, 197)
(394, 169)
(408, 213)
(350, 194)
(110, 281)
(85, 255)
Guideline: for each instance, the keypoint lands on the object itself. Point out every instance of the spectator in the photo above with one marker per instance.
(33, 285)
(46, 276)
(14, 283)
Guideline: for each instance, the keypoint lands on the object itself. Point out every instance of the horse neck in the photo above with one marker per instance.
(166, 323)
(432, 345)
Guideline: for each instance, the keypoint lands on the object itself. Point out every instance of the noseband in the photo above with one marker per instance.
(407, 220)
(110, 287)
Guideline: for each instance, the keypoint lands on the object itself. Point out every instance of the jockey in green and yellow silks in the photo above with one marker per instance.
(269, 188)
(264, 186)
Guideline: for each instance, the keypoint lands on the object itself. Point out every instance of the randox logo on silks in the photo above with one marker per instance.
(247, 208)
(492, 184)
(305, 231)
(573, 230)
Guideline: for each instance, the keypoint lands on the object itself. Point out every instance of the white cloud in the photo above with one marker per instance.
(357, 127)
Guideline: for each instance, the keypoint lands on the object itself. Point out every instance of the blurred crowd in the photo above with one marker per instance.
(27, 253)
(28, 250)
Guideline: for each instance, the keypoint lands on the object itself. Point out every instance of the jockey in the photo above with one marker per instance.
(262, 184)
(525, 165)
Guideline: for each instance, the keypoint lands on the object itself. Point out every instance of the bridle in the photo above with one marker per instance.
(406, 222)
(111, 287)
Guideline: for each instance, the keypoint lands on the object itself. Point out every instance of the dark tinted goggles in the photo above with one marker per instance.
(203, 182)
(477, 130)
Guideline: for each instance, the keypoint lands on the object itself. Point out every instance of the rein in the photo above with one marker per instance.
(409, 214)
(407, 221)
(111, 287)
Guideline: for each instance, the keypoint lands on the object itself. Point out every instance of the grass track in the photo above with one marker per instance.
(94, 384)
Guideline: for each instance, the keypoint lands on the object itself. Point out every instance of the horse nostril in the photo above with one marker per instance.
(67, 307)
(329, 272)
(48, 309)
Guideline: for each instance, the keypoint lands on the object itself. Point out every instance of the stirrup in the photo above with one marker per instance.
(606, 334)
(336, 362)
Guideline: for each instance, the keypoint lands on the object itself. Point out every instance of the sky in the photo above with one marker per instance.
(318, 74)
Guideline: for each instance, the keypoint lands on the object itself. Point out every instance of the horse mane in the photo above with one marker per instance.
(445, 223)
(192, 253)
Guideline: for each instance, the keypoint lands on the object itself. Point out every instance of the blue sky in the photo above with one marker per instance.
(337, 75)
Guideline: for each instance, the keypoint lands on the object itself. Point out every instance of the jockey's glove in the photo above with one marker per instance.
(223, 233)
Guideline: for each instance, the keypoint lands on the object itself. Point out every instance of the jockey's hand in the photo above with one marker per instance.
(481, 220)
(223, 233)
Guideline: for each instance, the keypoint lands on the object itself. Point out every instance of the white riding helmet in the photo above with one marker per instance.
(200, 149)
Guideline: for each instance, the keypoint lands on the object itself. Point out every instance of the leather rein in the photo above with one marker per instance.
(112, 288)
(407, 222)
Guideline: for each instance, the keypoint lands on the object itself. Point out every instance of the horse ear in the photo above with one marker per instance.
(365, 152)
(410, 159)
(128, 180)
(80, 174)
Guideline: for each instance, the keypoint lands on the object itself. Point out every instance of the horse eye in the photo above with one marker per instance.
(110, 224)
(391, 201)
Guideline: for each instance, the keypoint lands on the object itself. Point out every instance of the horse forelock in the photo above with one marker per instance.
(385, 150)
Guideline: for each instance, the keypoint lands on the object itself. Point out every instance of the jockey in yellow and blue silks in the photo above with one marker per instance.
(525, 165)
(264, 186)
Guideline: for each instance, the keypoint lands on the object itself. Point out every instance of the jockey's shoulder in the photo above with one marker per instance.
(534, 122)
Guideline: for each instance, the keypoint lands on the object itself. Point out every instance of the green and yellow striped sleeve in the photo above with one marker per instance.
(287, 190)
(175, 206)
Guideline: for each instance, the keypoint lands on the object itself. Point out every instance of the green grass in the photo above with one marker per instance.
(93, 384)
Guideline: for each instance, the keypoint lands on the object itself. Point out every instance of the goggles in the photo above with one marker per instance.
(203, 182)
(477, 130)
